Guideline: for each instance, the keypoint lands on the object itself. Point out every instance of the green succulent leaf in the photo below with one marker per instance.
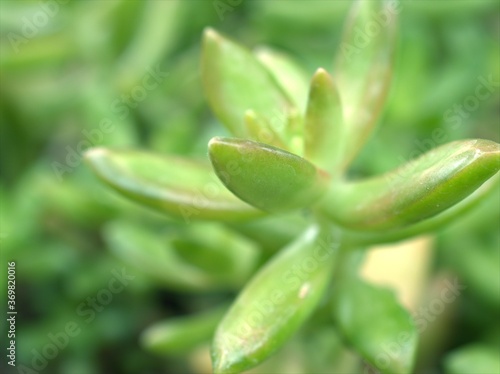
(324, 125)
(140, 247)
(259, 130)
(234, 81)
(470, 203)
(177, 186)
(363, 67)
(376, 325)
(474, 358)
(266, 177)
(180, 335)
(416, 191)
(275, 303)
(289, 75)
(230, 257)
(205, 257)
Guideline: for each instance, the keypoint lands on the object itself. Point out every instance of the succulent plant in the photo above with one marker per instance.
(280, 179)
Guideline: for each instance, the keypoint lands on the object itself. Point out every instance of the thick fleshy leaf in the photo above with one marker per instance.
(182, 334)
(234, 81)
(478, 358)
(266, 177)
(363, 67)
(205, 257)
(416, 191)
(230, 257)
(470, 203)
(291, 77)
(324, 125)
(376, 325)
(260, 130)
(180, 187)
(275, 303)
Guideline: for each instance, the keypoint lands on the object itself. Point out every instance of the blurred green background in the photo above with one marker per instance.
(126, 73)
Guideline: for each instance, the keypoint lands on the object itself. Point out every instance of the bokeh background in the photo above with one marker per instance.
(70, 67)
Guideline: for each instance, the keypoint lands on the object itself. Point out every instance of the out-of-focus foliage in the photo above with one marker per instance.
(75, 74)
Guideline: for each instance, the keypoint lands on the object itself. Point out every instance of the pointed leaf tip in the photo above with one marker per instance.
(288, 74)
(363, 69)
(209, 32)
(94, 153)
(324, 125)
(321, 72)
(234, 80)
